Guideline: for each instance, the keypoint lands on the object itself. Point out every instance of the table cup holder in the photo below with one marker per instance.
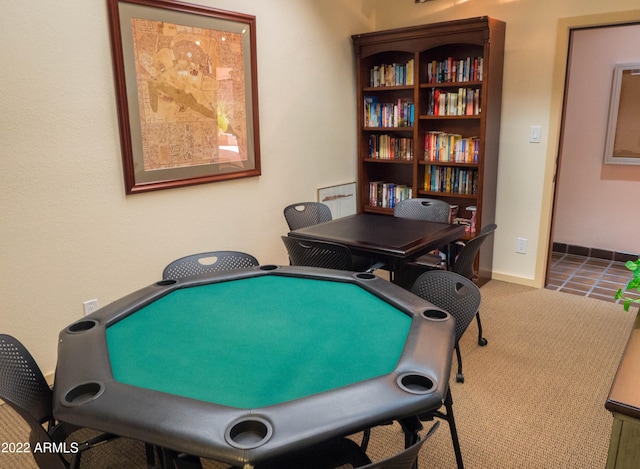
(82, 326)
(249, 433)
(435, 315)
(365, 276)
(83, 393)
(416, 383)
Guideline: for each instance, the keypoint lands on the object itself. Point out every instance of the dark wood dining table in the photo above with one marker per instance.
(392, 240)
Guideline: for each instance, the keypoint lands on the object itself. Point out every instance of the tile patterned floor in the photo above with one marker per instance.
(587, 276)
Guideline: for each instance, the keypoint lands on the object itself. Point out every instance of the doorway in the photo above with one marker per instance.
(589, 217)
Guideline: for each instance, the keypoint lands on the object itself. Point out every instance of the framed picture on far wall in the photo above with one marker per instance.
(186, 88)
(341, 199)
(623, 142)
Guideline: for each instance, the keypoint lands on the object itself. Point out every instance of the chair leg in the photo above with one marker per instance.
(170, 459)
(75, 461)
(459, 376)
(411, 427)
(448, 416)
(150, 453)
(481, 340)
(448, 404)
(366, 435)
(88, 444)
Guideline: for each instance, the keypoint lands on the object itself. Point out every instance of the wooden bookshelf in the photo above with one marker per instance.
(450, 77)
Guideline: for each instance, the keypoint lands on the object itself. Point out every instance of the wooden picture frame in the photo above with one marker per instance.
(622, 145)
(341, 199)
(187, 93)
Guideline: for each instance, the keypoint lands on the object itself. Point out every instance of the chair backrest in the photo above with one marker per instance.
(305, 214)
(318, 254)
(406, 458)
(467, 255)
(423, 209)
(452, 292)
(24, 389)
(22, 384)
(207, 262)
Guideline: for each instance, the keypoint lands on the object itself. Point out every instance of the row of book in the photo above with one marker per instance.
(392, 75)
(387, 194)
(441, 146)
(397, 114)
(389, 147)
(453, 70)
(450, 179)
(462, 102)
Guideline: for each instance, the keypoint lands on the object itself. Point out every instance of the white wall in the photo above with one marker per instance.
(594, 205)
(535, 60)
(68, 232)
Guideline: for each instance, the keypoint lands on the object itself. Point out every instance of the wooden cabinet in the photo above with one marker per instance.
(624, 404)
(429, 103)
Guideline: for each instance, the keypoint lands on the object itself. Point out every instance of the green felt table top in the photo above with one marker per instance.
(258, 341)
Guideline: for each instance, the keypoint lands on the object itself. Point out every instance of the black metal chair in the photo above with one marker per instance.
(326, 255)
(343, 453)
(461, 298)
(464, 263)
(318, 254)
(24, 389)
(427, 210)
(208, 262)
(454, 293)
(305, 214)
(423, 209)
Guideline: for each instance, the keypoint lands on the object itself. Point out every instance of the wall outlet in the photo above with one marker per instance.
(90, 306)
(521, 246)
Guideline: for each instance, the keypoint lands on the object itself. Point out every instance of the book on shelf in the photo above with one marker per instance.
(395, 74)
(397, 114)
(387, 194)
(451, 180)
(389, 147)
(461, 102)
(453, 70)
(445, 147)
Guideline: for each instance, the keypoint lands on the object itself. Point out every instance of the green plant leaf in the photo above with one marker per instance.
(633, 284)
(632, 265)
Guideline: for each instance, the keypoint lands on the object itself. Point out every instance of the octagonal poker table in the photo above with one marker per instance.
(245, 365)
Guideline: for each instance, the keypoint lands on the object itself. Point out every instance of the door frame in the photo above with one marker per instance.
(556, 121)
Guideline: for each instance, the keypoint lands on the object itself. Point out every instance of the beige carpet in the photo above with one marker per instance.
(533, 397)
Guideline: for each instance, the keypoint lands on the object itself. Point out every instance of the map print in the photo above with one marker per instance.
(191, 95)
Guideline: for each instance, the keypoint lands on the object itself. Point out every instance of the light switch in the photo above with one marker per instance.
(535, 134)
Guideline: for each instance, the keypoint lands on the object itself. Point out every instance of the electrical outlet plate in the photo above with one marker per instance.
(90, 306)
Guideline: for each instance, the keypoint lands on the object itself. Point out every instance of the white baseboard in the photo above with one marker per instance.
(528, 282)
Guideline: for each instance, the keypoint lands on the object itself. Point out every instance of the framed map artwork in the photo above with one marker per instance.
(186, 88)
